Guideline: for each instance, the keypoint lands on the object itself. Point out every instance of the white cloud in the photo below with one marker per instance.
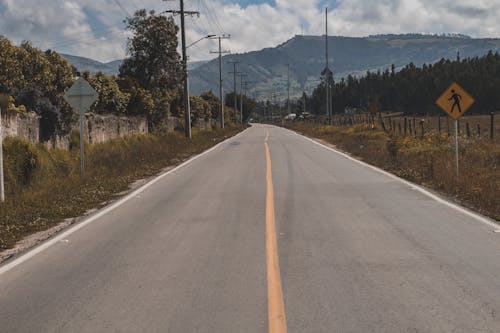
(94, 28)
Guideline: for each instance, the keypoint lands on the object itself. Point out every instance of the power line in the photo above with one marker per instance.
(122, 8)
(213, 16)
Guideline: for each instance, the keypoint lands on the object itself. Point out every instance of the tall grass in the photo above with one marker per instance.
(44, 187)
(429, 161)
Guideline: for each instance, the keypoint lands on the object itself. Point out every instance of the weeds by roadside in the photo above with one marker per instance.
(43, 187)
(428, 161)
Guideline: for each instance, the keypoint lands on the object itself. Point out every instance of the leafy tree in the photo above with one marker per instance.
(249, 104)
(153, 59)
(200, 109)
(33, 98)
(213, 102)
(111, 98)
(141, 101)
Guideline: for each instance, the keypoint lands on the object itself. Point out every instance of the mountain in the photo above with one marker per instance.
(108, 68)
(93, 66)
(195, 64)
(267, 69)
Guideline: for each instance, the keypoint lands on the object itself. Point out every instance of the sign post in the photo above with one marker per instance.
(81, 96)
(455, 101)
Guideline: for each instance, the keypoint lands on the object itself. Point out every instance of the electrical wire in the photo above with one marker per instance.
(123, 9)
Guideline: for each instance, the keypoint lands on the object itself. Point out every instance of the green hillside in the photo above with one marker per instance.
(267, 68)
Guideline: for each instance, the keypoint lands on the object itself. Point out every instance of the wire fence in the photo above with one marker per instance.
(484, 127)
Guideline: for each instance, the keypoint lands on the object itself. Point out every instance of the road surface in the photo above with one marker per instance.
(347, 249)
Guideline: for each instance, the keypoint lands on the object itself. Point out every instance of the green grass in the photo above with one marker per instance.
(428, 161)
(44, 187)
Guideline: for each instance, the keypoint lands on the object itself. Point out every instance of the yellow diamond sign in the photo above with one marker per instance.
(455, 101)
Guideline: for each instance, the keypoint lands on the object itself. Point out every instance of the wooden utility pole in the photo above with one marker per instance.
(187, 107)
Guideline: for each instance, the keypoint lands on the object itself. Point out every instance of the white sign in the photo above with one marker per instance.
(81, 95)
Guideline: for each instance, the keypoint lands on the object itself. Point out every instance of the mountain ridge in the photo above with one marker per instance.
(266, 69)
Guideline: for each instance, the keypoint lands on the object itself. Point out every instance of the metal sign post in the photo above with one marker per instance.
(455, 101)
(2, 188)
(81, 96)
(456, 148)
(82, 143)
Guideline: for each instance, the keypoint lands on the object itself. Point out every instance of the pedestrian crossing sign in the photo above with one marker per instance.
(455, 101)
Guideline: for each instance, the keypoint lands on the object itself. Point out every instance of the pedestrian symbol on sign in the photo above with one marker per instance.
(457, 99)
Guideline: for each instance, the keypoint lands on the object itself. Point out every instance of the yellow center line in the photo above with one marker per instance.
(276, 305)
(267, 135)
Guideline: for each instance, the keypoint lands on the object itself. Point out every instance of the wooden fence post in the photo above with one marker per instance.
(492, 127)
(439, 125)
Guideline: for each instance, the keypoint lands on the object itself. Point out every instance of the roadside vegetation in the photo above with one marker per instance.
(427, 160)
(43, 187)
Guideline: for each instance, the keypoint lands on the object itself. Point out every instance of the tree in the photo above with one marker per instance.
(33, 98)
(248, 104)
(111, 98)
(214, 103)
(153, 59)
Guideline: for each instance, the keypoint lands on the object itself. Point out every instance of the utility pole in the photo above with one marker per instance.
(304, 103)
(234, 72)
(220, 52)
(326, 61)
(327, 73)
(242, 75)
(187, 107)
(273, 105)
(288, 89)
(2, 187)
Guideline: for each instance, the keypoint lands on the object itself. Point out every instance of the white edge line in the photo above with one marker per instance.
(419, 188)
(45, 245)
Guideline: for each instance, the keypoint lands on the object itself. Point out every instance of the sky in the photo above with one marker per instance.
(95, 28)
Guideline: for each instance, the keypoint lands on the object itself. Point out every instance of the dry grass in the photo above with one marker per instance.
(428, 161)
(43, 187)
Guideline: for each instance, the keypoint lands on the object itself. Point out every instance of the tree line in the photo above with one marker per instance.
(412, 89)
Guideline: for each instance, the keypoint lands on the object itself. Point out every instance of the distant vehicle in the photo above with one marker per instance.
(305, 115)
(291, 116)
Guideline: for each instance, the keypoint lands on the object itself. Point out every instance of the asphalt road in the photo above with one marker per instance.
(358, 251)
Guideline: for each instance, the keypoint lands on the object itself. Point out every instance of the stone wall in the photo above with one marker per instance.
(100, 128)
(23, 125)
